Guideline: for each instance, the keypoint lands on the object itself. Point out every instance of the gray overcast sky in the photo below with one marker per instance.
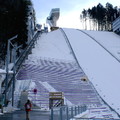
(69, 10)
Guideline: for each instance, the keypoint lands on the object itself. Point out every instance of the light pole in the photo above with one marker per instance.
(14, 71)
(7, 63)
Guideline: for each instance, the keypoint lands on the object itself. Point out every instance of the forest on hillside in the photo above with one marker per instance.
(13, 21)
(99, 17)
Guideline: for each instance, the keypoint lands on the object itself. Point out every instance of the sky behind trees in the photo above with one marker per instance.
(69, 10)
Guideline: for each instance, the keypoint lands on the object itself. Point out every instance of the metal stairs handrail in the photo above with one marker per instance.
(19, 62)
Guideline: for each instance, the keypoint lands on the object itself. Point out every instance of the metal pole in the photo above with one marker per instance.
(13, 38)
(7, 69)
(51, 114)
(78, 110)
(71, 112)
(14, 71)
(61, 113)
(67, 113)
(75, 110)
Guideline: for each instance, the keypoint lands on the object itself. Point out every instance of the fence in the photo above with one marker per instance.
(65, 112)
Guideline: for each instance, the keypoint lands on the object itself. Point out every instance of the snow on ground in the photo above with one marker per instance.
(101, 68)
(51, 89)
(109, 40)
(51, 45)
(48, 86)
(2, 72)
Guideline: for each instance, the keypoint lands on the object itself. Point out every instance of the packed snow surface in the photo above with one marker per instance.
(97, 59)
(52, 45)
(99, 65)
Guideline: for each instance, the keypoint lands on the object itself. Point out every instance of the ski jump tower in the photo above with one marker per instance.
(52, 18)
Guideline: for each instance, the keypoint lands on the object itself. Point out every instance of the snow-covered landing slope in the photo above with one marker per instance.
(100, 66)
(52, 45)
(109, 40)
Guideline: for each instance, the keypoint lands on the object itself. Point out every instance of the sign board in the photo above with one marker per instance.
(35, 91)
(56, 95)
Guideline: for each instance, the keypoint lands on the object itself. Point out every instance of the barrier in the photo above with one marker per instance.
(66, 112)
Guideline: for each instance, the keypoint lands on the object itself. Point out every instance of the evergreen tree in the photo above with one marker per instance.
(102, 17)
(109, 16)
(13, 19)
(84, 17)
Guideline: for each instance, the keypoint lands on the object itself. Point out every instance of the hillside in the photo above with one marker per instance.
(94, 53)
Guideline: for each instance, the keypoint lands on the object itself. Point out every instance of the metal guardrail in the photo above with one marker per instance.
(95, 119)
(18, 63)
(66, 112)
(25, 53)
(70, 46)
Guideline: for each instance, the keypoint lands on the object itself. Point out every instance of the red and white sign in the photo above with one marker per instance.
(35, 91)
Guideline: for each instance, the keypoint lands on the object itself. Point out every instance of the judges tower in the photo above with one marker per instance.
(53, 17)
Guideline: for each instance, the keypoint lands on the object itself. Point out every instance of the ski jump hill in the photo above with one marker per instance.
(61, 58)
